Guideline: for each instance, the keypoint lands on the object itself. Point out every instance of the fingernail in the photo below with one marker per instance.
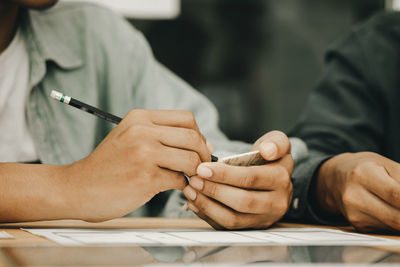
(190, 193)
(269, 149)
(210, 147)
(197, 183)
(193, 208)
(204, 171)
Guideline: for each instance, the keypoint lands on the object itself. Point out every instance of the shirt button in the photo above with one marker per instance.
(295, 204)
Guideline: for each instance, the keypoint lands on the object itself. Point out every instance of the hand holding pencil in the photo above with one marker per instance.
(144, 155)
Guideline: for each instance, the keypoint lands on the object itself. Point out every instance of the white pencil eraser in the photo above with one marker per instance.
(56, 95)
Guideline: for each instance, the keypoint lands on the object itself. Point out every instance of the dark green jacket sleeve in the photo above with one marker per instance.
(353, 108)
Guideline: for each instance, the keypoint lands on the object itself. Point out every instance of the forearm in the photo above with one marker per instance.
(30, 192)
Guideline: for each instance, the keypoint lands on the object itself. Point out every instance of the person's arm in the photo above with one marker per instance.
(144, 155)
(30, 192)
(346, 113)
(342, 115)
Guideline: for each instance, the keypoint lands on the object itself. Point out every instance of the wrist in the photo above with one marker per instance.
(64, 198)
(326, 187)
(32, 192)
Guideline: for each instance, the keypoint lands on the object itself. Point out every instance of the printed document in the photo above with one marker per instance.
(195, 237)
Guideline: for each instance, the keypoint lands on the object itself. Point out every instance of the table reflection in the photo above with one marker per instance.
(240, 255)
(273, 254)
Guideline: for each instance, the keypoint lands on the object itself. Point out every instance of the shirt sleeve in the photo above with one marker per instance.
(345, 113)
(159, 88)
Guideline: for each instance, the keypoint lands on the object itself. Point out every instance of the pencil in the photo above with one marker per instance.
(92, 110)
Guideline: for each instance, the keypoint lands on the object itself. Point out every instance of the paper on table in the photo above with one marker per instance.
(284, 236)
(5, 235)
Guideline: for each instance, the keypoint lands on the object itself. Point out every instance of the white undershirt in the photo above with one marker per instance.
(16, 142)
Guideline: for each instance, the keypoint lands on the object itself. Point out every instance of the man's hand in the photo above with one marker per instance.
(232, 197)
(144, 155)
(364, 187)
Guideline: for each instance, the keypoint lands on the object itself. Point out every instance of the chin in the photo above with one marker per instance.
(35, 4)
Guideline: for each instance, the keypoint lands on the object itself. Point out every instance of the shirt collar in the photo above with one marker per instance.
(45, 41)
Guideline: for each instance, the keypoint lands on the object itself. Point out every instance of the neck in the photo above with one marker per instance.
(8, 24)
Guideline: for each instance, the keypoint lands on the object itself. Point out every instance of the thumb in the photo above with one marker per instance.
(273, 145)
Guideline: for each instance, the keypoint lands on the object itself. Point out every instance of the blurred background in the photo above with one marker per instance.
(257, 60)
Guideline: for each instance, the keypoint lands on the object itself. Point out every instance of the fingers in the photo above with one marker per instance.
(179, 160)
(268, 177)
(171, 180)
(383, 212)
(224, 216)
(377, 180)
(374, 207)
(176, 118)
(366, 223)
(244, 201)
(180, 128)
(204, 217)
(393, 169)
(273, 145)
(203, 205)
(184, 138)
(210, 147)
(173, 118)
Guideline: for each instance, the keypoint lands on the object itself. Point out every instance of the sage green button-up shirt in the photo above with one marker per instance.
(92, 54)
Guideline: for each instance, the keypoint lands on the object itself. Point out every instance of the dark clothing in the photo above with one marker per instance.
(355, 106)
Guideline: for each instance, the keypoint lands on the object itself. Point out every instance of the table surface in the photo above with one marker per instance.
(29, 250)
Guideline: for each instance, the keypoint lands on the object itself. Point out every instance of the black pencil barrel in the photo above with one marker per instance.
(92, 110)
(95, 111)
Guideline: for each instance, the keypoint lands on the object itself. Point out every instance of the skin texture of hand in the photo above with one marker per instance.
(144, 155)
(255, 197)
(364, 187)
